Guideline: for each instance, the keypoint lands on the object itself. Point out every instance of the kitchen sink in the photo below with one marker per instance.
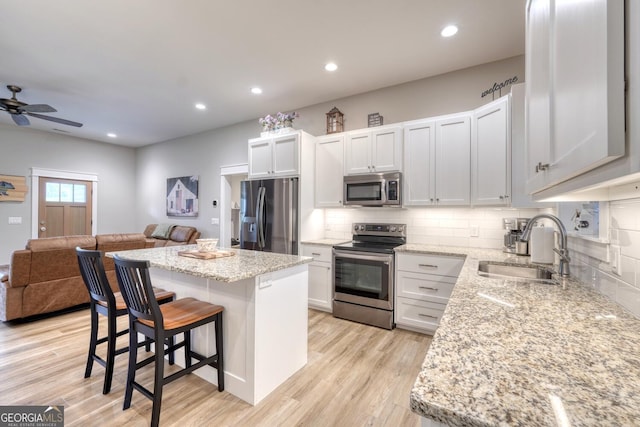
(516, 271)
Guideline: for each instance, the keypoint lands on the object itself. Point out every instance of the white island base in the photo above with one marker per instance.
(265, 327)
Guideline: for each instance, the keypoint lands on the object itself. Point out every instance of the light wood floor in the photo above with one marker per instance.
(356, 375)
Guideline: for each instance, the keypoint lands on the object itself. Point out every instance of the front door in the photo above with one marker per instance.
(64, 207)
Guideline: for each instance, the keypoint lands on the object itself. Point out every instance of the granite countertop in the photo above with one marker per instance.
(325, 242)
(244, 264)
(515, 352)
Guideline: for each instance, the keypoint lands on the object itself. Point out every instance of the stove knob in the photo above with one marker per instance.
(400, 229)
(393, 228)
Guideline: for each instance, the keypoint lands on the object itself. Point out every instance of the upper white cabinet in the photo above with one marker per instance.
(373, 150)
(437, 161)
(329, 167)
(574, 88)
(273, 157)
(491, 154)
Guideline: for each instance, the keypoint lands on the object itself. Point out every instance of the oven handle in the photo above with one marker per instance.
(365, 256)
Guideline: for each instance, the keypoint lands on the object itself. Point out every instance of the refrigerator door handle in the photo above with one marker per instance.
(261, 218)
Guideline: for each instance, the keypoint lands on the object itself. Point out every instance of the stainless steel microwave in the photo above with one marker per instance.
(376, 189)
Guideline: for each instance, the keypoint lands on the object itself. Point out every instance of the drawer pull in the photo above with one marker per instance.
(428, 288)
(315, 253)
(427, 315)
(427, 265)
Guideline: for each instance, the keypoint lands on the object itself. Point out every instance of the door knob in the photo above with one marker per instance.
(43, 228)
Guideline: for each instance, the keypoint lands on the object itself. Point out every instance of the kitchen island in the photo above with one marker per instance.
(265, 312)
(514, 352)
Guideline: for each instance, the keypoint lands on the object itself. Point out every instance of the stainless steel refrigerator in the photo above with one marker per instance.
(269, 215)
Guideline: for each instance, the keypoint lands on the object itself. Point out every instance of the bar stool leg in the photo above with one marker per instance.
(158, 382)
(92, 341)
(131, 370)
(111, 352)
(187, 349)
(220, 352)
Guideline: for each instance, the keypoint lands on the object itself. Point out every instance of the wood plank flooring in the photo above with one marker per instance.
(356, 375)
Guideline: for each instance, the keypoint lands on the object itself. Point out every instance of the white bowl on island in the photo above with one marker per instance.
(207, 245)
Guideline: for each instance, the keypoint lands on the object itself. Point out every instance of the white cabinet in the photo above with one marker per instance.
(423, 285)
(320, 276)
(273, 157)
(329, 167)
(491, 154)
(372, 151)
(574, 65)
(437, 161)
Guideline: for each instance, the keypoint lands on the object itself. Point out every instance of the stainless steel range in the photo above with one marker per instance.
(363, 274)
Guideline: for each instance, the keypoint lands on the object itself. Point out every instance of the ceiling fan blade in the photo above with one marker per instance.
(20, 119)
(56, 119)
(38, 108)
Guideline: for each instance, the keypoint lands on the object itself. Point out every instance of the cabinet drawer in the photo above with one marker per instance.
(319, 253)
(440, 265)
(419, 314)
(425, 286)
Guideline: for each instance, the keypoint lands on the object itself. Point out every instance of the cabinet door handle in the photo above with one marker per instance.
(427, 315)
(315, 254)
(427, 265)
(428, 288)
(542, 167)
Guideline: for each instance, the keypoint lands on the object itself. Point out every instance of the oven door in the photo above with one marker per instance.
(363, 278)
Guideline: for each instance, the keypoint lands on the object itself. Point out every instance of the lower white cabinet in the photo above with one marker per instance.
(423, 285)
(320, 276)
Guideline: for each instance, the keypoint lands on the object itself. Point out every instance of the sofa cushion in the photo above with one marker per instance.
(181, 234)
(162, 231)
(149, 229)
(55, 257)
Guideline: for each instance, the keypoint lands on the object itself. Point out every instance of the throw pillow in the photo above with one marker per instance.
(162, 231)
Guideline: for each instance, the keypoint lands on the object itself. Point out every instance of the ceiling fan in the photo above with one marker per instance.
(19, 110)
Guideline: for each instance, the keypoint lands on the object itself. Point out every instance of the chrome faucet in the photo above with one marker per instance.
(563, 251)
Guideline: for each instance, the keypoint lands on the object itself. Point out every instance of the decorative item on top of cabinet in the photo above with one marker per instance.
(329, 167)
(424, 283)
(491, 154)
(374, 119)
(373, 150)
(320, 276)
(335, 121)
(437, 155)
(574, 66)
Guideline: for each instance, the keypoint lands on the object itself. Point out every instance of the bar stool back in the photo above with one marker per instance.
(159, 322)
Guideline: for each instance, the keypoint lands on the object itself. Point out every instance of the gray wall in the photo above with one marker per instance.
(23, 148)
(132, 183)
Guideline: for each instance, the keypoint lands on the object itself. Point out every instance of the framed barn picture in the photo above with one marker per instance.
(182, 196)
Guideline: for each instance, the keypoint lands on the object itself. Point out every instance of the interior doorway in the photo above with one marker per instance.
(230, 178)
(68, 214)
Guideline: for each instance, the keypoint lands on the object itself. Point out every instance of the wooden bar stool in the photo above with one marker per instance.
(159, 322)
(107, 303)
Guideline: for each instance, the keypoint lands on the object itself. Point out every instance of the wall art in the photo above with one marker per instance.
(182, 196)
(12, 188)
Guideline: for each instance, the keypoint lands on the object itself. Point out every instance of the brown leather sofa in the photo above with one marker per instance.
(175, 235)
(45, 277)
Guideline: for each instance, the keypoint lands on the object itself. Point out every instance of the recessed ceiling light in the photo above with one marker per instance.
(449, 31)
(201, 106)
(112, 135)
(331, 66)
(256, 90)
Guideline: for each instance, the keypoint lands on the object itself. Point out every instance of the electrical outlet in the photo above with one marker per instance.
(215, 221)
(616, 260)
(474, 231)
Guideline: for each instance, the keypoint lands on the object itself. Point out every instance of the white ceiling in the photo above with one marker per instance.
(137, 67)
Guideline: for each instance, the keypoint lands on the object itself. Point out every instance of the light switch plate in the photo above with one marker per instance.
(474, 231)
(215, 221)
(616, 260)
(15, 220)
